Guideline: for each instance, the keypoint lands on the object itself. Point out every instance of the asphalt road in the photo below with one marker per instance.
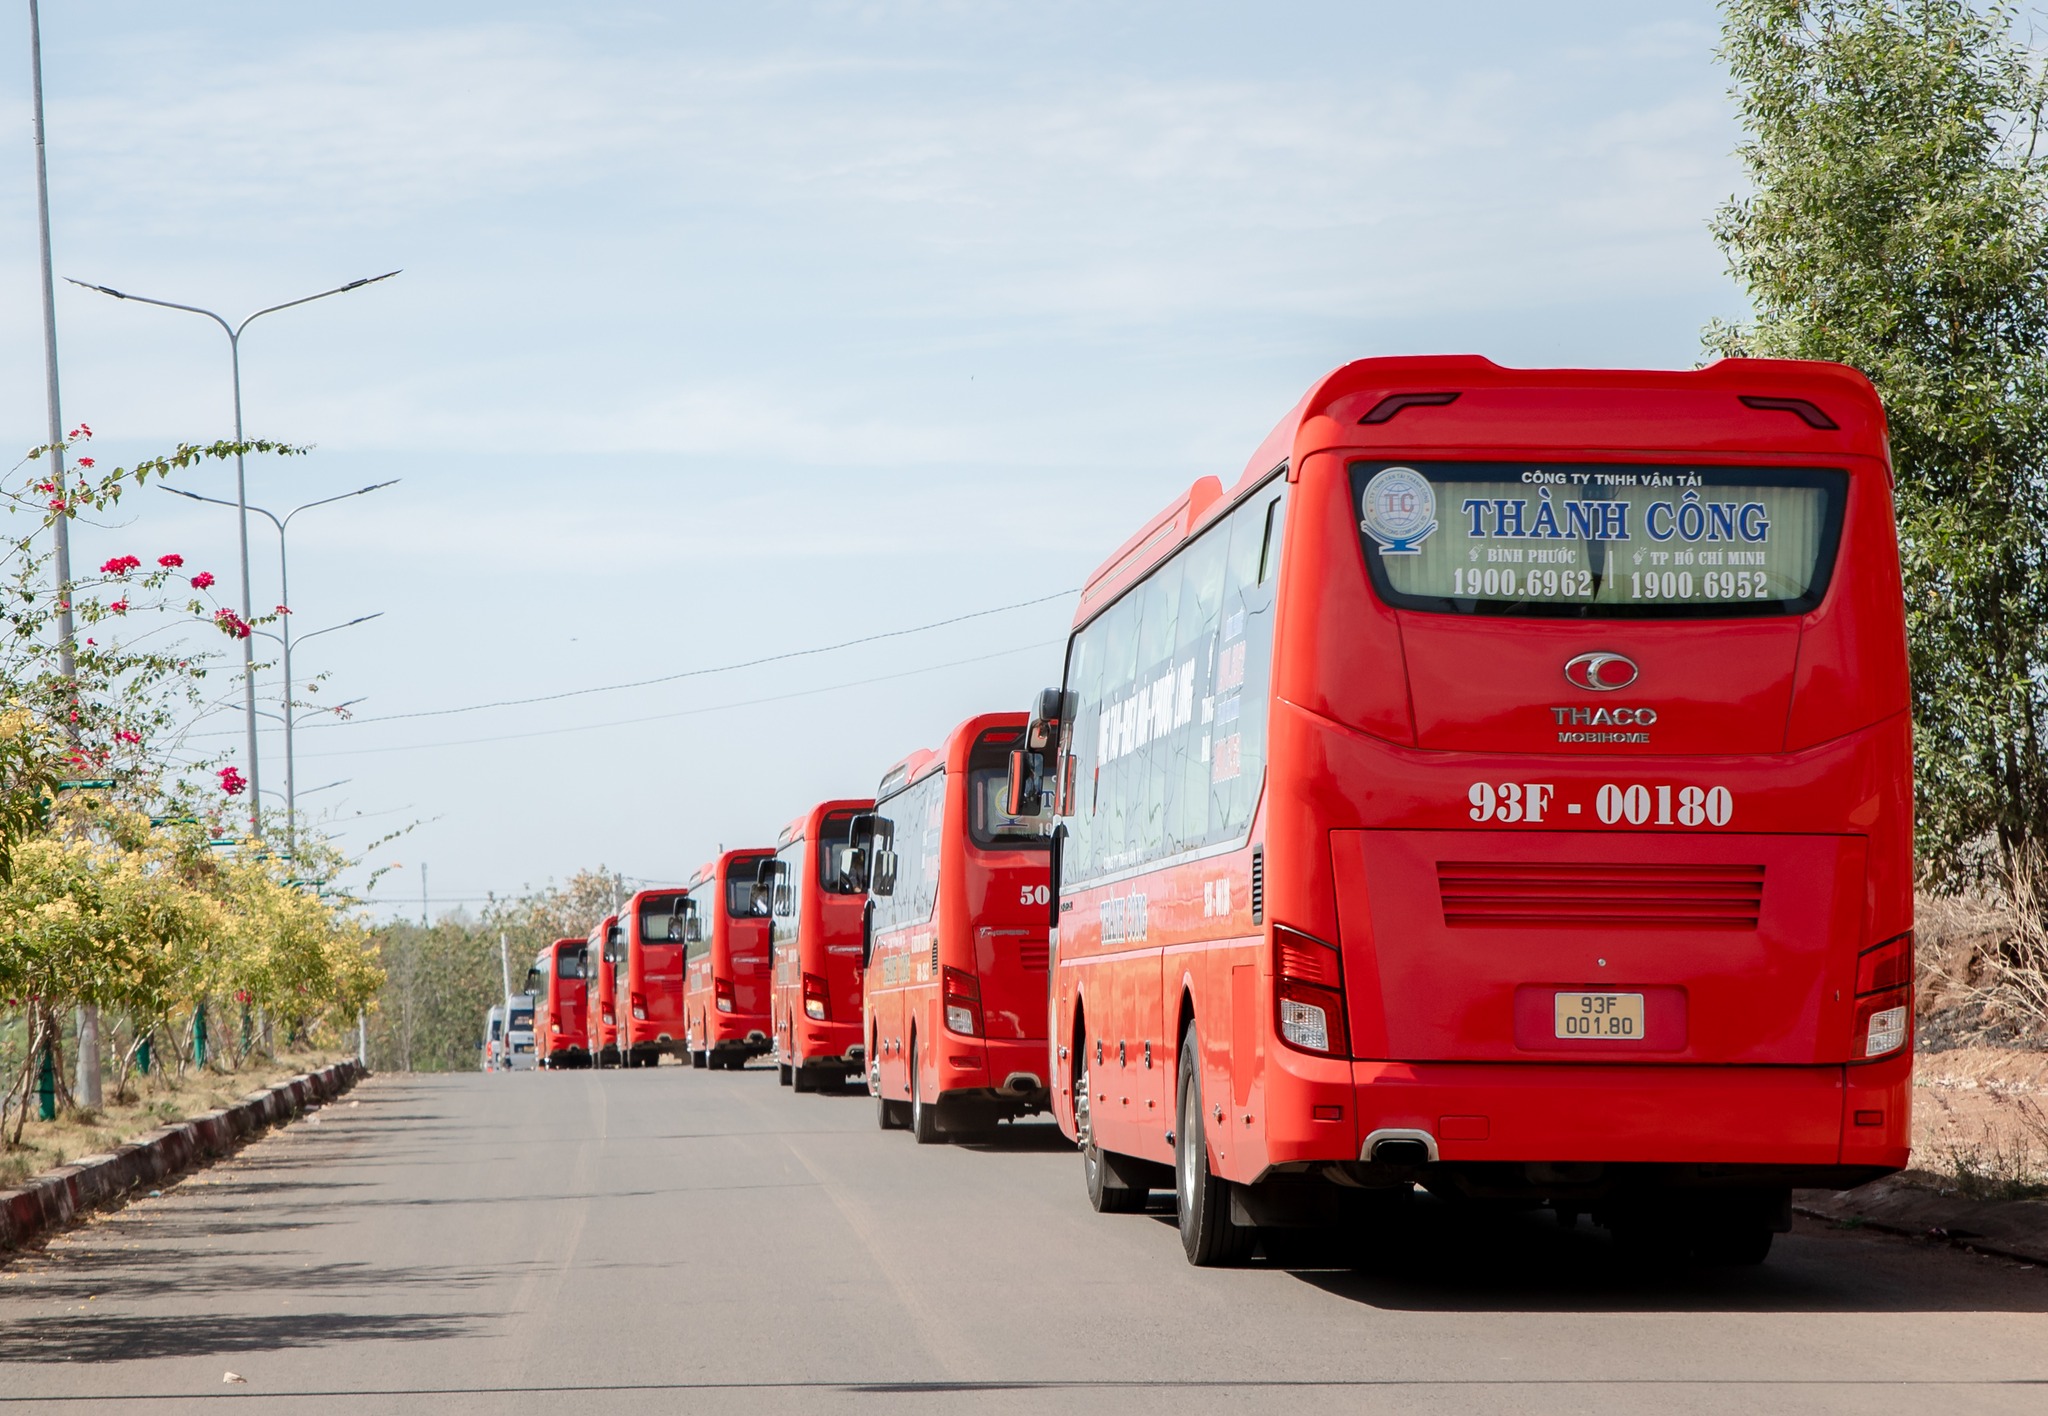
(678, 1241)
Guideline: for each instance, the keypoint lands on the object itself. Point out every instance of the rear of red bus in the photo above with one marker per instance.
(650, 1012)
(1582, 869)
(955, 982)
(727, 978)
(601, 962)
(561, 1012)
(814, 940)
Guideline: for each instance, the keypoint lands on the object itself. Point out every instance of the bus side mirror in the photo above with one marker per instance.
(884, 882)
(867, 934)
(1026, 796)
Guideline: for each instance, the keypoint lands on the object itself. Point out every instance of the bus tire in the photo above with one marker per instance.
(924, 1119)
(784, 1074)
(700, 1060)
(1208, 1235)
(802, 1078)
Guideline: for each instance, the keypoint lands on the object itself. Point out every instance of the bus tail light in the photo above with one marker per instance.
(639, 1003)
(816, 1006)
(721, 993)
(963, 1003)
(1884, 998)
(1308, 989)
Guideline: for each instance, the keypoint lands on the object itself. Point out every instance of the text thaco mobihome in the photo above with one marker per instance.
(956, 969)
(815, 946)
(1506, 786)
(726, 983)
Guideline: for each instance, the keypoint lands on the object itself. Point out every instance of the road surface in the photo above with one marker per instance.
(679, 1241)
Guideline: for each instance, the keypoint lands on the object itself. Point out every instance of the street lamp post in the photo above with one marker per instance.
(284, 636)
(241, 502)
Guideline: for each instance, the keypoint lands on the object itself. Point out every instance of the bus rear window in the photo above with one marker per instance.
(989, 818)
(1598, 540)
(569, 964)
(660, 920)
(742, 878)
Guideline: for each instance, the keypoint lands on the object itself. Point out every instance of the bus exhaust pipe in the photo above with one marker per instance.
(1400, 1146)
(1022, 1083)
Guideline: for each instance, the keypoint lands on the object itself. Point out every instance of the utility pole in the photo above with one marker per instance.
(87, 1084)
(505, 968)
(423, 895)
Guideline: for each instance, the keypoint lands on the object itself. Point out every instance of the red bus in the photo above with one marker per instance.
(648, 984)
(601, 954)
(1532, 820)
(814, 940)
(955, 976)
(561, 1011)
(726, 999)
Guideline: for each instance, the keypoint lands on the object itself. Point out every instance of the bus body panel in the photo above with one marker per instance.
(1381, 829)
(986, 922)
(815, 934)
(729, 964)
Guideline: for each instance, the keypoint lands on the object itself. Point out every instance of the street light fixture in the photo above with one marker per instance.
(284, 583)
(241, 502)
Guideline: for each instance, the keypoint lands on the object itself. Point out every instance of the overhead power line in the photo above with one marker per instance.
(700, 673)
(684, 712)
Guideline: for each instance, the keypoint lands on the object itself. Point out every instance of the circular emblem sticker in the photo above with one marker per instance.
(1398, 510)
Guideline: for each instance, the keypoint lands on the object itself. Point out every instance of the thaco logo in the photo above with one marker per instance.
(1600, 671)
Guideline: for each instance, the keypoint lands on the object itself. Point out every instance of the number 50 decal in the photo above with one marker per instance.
(1035, 894)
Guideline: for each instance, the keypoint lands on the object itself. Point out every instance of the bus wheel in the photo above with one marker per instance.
(784, 1074)
(802, 1078)
(700, 1060)
(1208, 1235)
(924, 1120)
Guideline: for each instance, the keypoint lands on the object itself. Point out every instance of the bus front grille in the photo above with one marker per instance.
(1573, 896)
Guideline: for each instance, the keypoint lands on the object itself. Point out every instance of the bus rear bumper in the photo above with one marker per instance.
(1803, 1117)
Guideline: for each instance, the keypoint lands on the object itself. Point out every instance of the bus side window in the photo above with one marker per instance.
(1201, 570)
(1244, 669)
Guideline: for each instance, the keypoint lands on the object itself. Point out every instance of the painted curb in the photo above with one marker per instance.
(56, 1197)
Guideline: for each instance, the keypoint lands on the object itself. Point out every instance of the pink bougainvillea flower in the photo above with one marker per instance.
(232, 781)
(81, 433)
(119, 607)
(203, 580)
(170, 562)
(127, 736)
(120, 565)
(46, 486)
(85, 462)
(283, 610)
(231, 624)
(56, 503)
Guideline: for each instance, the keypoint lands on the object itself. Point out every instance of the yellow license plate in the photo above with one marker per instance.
(1606, 1017)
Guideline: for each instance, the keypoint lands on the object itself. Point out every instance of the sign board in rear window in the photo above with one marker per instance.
(1598, 540)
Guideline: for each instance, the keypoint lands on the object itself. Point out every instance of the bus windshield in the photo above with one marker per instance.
(1598, 540)
(522, 1020)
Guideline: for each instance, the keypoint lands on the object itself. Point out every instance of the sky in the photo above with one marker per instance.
(727, 332)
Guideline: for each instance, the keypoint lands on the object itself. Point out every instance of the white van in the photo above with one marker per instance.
(519, 1033)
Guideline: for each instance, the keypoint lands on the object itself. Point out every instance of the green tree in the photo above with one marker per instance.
(1898, 223)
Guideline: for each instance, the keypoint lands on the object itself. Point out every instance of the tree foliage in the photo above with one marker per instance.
(1898, 222)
